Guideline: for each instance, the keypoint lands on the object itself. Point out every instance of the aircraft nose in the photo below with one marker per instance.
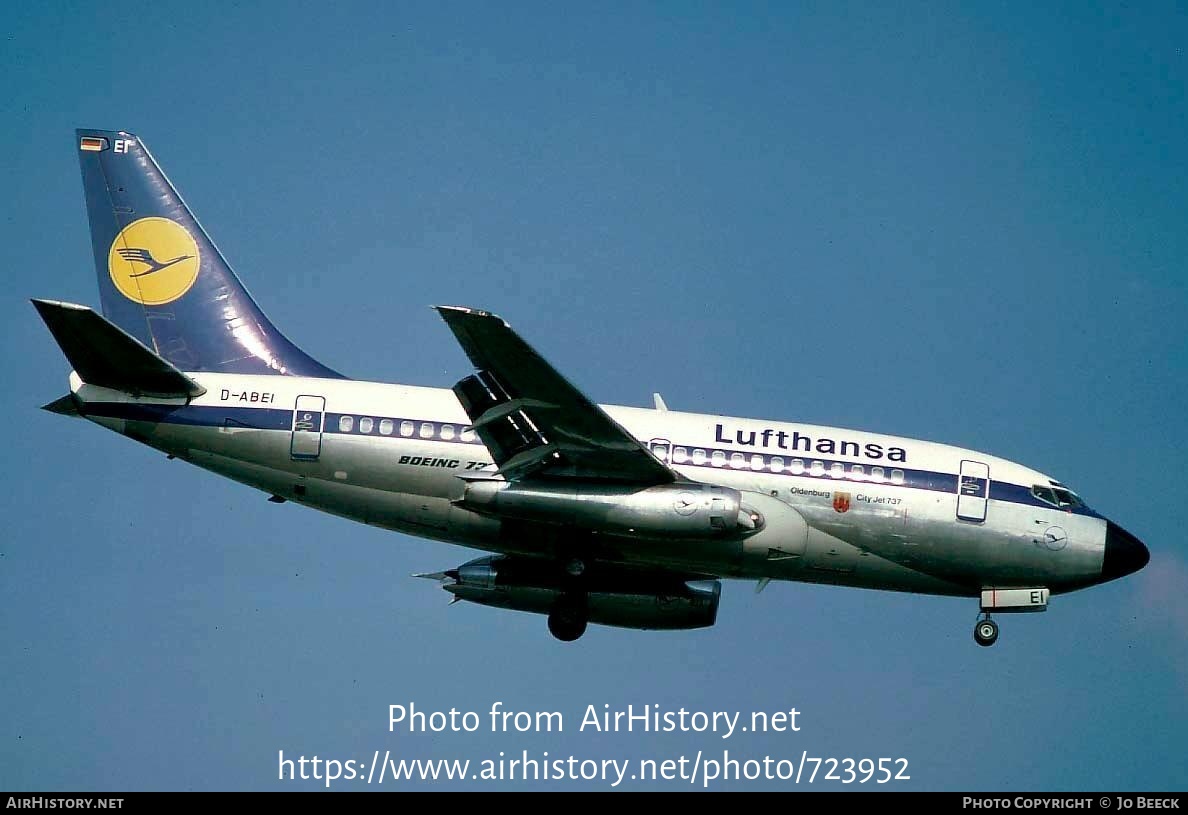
(1124, 553)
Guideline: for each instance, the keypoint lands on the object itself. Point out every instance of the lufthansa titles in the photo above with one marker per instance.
(771, 439)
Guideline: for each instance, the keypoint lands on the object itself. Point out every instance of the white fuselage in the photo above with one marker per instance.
(841, 506)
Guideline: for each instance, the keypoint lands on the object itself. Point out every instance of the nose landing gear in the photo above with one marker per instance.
(1005, 599)
(986, 631)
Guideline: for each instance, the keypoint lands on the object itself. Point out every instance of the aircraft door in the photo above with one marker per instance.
(973, 491)
(309, 414)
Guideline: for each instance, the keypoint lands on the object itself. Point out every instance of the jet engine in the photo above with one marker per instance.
(668, 511)
(608, 596)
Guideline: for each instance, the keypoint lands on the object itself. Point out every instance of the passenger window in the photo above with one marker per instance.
(876, 473)
(897, 476)
(738, 460)
(858, 471)
(837, 470)
(698, 456)
(680, 455)
(386, 427)
(797, 466)
(777, 464)
(816, 468)
(447, 431)
(426, 430)
(718, 458)
(756, 462)
(406, 428)
(366, 424)
(346, 424)
(468, 435)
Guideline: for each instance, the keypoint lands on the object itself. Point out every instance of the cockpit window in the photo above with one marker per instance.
(1044, 494)
(1057, 496)
(1067, 498)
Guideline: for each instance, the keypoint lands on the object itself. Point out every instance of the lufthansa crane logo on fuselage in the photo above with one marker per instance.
(686, 503)
(153, 261)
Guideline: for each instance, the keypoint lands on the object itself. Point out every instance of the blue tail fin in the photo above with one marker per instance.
(161, 278)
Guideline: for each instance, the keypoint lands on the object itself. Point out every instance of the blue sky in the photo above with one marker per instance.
(964, 224)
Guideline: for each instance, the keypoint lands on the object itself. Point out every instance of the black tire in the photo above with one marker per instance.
(575, 567)
(986, 633)
(567, 620)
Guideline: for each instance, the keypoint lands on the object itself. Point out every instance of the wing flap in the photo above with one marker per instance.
(104, 354)
(508, 408)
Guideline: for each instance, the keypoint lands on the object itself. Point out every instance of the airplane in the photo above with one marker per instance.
(618, 516)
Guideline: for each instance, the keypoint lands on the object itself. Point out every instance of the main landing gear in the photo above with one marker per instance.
(568, 618)
(985, 632)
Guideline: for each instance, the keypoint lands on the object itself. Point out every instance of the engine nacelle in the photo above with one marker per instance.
(680, 511)
(614, 597)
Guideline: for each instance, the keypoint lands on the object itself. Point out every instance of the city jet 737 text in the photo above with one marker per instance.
(585, 513)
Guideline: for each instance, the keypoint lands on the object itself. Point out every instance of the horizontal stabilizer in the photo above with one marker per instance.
(104, 354)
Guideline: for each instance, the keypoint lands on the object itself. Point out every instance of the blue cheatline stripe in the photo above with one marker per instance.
(195, 415)
(281, 419)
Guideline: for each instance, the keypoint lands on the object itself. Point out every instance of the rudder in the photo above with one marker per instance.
(162, 279)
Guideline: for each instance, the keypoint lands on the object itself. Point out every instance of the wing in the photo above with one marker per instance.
(534, 422)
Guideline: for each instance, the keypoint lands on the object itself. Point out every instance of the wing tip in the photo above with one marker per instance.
(448, 312)
(44, 302)
(63, 406)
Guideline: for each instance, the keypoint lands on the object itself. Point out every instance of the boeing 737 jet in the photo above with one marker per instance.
(586, 513)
